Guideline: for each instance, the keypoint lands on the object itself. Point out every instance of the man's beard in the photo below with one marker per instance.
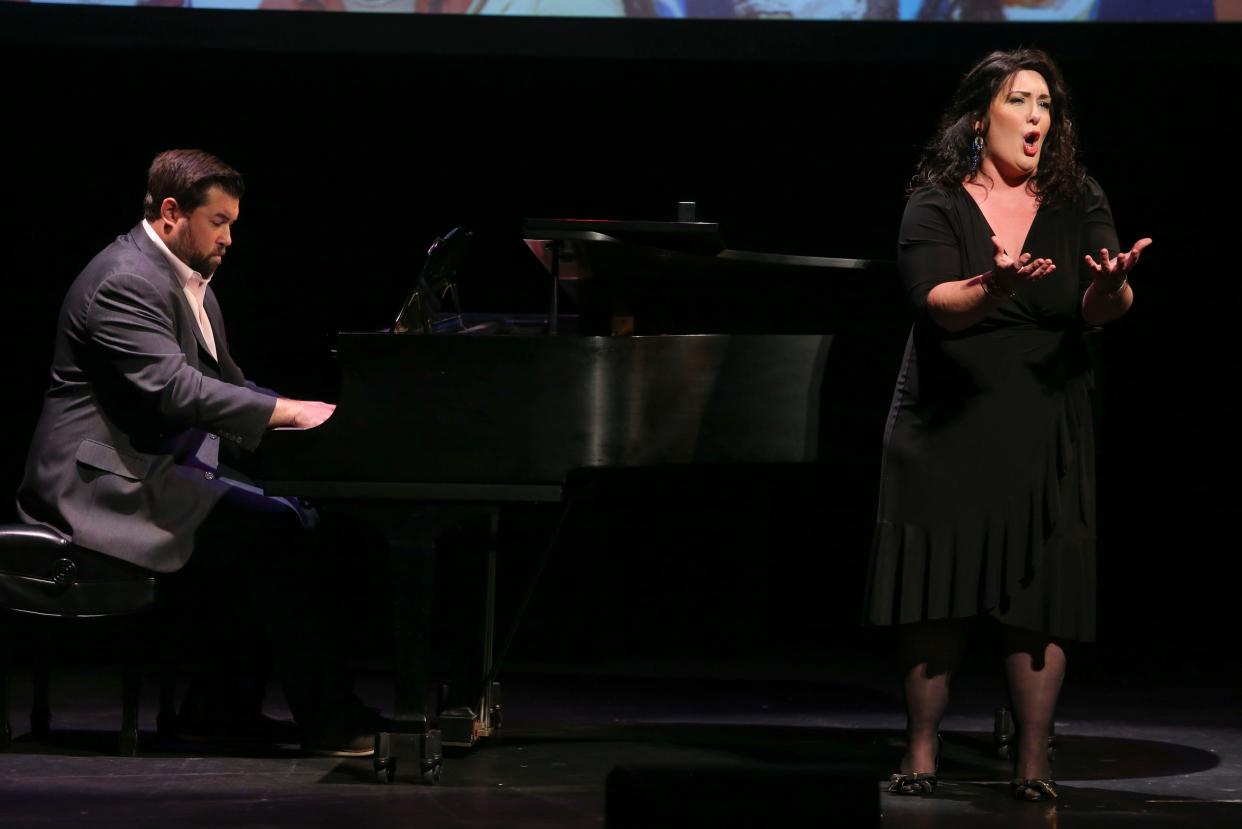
(181, 248)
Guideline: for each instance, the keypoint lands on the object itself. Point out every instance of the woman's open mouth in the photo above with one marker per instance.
(1031, 143)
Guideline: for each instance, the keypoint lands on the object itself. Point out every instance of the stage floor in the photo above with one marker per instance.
(1163, 750)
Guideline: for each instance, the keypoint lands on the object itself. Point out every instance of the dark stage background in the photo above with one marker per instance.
(362, 140)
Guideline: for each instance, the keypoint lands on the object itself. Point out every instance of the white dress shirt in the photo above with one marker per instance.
(193, 285)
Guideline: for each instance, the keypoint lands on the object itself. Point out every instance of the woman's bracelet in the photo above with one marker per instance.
(993, 288)
(1116, 292)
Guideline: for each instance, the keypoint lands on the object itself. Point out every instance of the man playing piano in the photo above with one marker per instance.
(134, 452)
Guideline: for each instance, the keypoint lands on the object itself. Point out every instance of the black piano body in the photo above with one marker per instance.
(489, 420)
(510, 417)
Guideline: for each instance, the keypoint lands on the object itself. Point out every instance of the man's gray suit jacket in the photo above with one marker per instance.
(126, 453)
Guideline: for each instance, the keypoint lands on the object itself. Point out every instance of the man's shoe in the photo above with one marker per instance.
(351, 735)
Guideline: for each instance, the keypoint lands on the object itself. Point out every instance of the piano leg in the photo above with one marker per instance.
(414, 744)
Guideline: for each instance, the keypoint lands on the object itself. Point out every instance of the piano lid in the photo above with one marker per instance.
(698, 237)
(588, 247)
(679, 278)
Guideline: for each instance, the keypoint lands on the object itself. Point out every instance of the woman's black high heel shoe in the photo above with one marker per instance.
(923, 783)
(1030, 789)
(1033, 789)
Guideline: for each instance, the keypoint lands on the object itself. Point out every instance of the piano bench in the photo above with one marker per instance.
(47, 586)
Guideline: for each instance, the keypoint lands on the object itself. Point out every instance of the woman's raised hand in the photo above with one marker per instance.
(1012, 274)
(1111, 273)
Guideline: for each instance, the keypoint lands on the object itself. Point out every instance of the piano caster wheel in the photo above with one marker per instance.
(385, 770)
(431, 771)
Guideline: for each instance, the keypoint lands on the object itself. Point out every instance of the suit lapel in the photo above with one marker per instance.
(229, 371)
(156, 258)
(204, 352)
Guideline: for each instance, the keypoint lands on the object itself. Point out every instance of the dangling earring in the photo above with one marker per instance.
(976, 150)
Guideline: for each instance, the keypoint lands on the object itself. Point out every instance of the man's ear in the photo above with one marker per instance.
(170, 212)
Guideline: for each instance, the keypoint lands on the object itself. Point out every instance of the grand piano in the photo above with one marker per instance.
(661, 349)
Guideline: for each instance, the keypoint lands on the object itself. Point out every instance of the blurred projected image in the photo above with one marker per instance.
(909, 10)
(999, 10)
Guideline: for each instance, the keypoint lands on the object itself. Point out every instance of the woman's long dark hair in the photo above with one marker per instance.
(946, 160)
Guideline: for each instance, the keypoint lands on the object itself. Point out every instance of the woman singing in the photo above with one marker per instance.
(1007, 254)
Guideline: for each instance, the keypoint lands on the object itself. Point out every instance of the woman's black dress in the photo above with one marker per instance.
(987, 488)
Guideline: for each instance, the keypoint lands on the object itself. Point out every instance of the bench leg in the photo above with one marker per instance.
(6, 732)
(131, 693)
(40, 707)
(166, 720)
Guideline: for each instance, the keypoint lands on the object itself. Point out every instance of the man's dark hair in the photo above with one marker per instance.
(946, 160)
(187, 175)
